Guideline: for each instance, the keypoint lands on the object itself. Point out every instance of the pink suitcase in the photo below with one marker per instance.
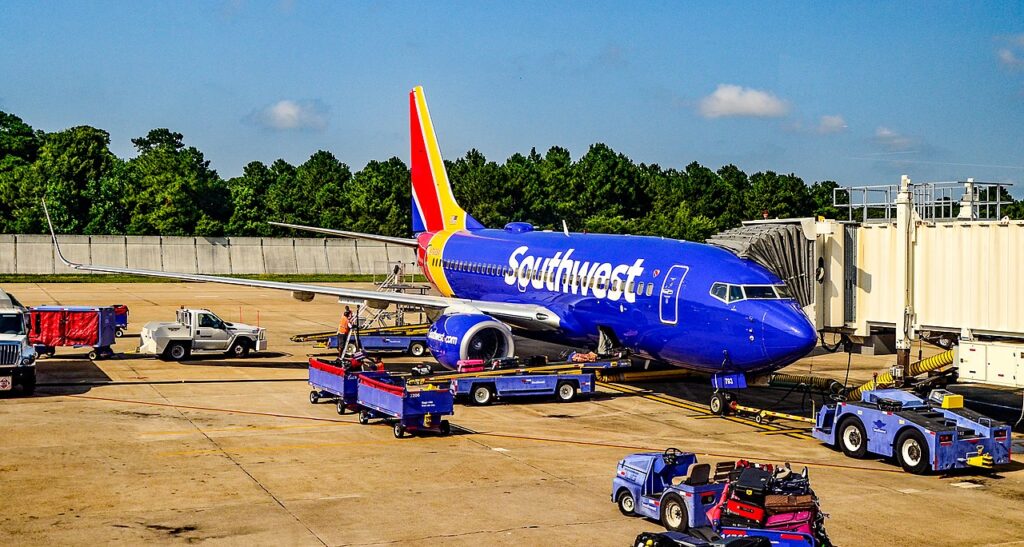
(790, 522)
(470, 365)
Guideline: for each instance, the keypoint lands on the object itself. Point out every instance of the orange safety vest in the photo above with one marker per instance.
(343, 325)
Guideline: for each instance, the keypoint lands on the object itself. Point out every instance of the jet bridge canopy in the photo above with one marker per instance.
(786, 247)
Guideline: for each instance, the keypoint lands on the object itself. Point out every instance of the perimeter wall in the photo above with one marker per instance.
(34, 254)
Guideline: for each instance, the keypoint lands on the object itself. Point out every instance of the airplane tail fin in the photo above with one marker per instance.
(433, 205)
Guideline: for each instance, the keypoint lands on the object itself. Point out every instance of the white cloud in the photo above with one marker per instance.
(286, 115)
(1012, 55)
(892, 141)
(831, 124)
(734, 100)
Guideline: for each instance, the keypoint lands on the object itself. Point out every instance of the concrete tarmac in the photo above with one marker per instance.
(215, 450)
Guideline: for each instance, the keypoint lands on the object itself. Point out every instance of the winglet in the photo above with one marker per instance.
(53, 235)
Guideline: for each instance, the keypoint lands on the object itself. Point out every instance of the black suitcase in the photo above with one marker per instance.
(729, 519)
(752, 485)
(668, 539)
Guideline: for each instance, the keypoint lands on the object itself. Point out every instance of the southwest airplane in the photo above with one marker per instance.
(688, 304)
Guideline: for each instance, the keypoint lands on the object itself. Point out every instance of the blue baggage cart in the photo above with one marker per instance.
(331, 380)
(120, 319)
(409, 409)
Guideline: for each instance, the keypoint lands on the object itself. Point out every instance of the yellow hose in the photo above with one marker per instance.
(645, 375)
(920, 367)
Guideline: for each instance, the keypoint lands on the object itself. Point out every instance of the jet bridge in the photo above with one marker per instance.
(935, 259)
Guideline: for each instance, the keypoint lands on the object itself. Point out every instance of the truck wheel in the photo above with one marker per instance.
(912, 452)
(718, 404)
(399, 430)
(341, 406)
(364, 417)
(446, 428)
(483, 395)
(176, 351)
(93, 355)
(566, 392)
(239, 349)
(313, 397)
(417, 349)
(673, 513)
(119, 332)
(852, 438)
(626, 503)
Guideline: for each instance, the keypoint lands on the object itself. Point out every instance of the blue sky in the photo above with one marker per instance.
(855, 92)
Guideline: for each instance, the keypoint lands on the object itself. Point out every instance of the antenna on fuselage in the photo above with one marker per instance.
(565, 228)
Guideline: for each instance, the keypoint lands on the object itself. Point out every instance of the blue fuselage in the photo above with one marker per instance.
(692, 305)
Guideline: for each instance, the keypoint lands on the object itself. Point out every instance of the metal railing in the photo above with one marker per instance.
(952, 200)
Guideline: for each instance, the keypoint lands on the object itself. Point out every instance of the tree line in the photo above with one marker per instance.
(168, 188)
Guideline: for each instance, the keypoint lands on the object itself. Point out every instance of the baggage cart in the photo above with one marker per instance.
(51, 327)
(120, 319)
(409, 409)
(332, 380)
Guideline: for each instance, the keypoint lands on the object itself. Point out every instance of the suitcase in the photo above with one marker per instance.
(745, 510)
(791, 485)
(729, 519)
(775, 504)
(799, 521)
(752, 485)
(669, 539)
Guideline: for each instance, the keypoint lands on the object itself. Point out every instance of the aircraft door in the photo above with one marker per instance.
(671, 286)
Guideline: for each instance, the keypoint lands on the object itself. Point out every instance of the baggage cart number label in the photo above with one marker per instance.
(5, 383)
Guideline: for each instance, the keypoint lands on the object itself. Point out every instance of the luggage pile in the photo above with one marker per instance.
(772, 498)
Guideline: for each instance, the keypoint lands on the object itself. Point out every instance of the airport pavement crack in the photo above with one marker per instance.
(240, 467)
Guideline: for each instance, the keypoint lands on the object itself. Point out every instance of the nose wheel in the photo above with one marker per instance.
(721, 402)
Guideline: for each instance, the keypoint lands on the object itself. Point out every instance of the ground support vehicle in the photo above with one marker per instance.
(410, 409)
(200, 331)
(708, 539)
(483, 390)
(673, 488)
(120, 319)
(411, 344)
(933, 435)
(17, 354)
(333, 380)
(51, 327)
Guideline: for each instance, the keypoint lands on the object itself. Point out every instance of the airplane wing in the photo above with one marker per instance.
(527, 316)
(405, 241)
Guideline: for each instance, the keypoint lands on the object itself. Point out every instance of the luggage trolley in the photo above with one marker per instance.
(410, 409)
(330, 381)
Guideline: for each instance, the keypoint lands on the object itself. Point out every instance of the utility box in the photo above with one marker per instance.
(994, 363)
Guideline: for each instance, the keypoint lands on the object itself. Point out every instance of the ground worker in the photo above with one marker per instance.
(343, 328)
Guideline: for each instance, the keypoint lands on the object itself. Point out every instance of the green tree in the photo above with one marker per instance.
(70, 165)
(380, 199)
(19, 143)
(781, 196)
(178, 193)
(821, 196)
(479, 188)
(248, 216)
(320, 183)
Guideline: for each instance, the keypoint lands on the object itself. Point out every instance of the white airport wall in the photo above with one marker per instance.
(246, 255)
(310, 256)
(8, 258)
(34, 254)
(212, 255)
(279, 256)
(143, 252)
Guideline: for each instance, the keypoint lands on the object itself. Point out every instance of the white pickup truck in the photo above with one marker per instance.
(17, 356)
(197, 332)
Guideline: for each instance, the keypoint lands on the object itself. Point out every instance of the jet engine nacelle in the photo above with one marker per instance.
(468, 336)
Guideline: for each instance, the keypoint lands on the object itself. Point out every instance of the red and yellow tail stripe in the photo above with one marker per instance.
(434, 260)
(433, 201)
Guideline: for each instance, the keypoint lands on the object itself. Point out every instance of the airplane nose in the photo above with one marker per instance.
(788, 334)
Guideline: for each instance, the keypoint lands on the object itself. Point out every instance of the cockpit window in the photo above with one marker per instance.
(735, 293)
(759, 292)
(720, 291)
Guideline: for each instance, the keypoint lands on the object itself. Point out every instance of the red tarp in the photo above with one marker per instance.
(326, 367)
(382, 386)
(64, 328)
